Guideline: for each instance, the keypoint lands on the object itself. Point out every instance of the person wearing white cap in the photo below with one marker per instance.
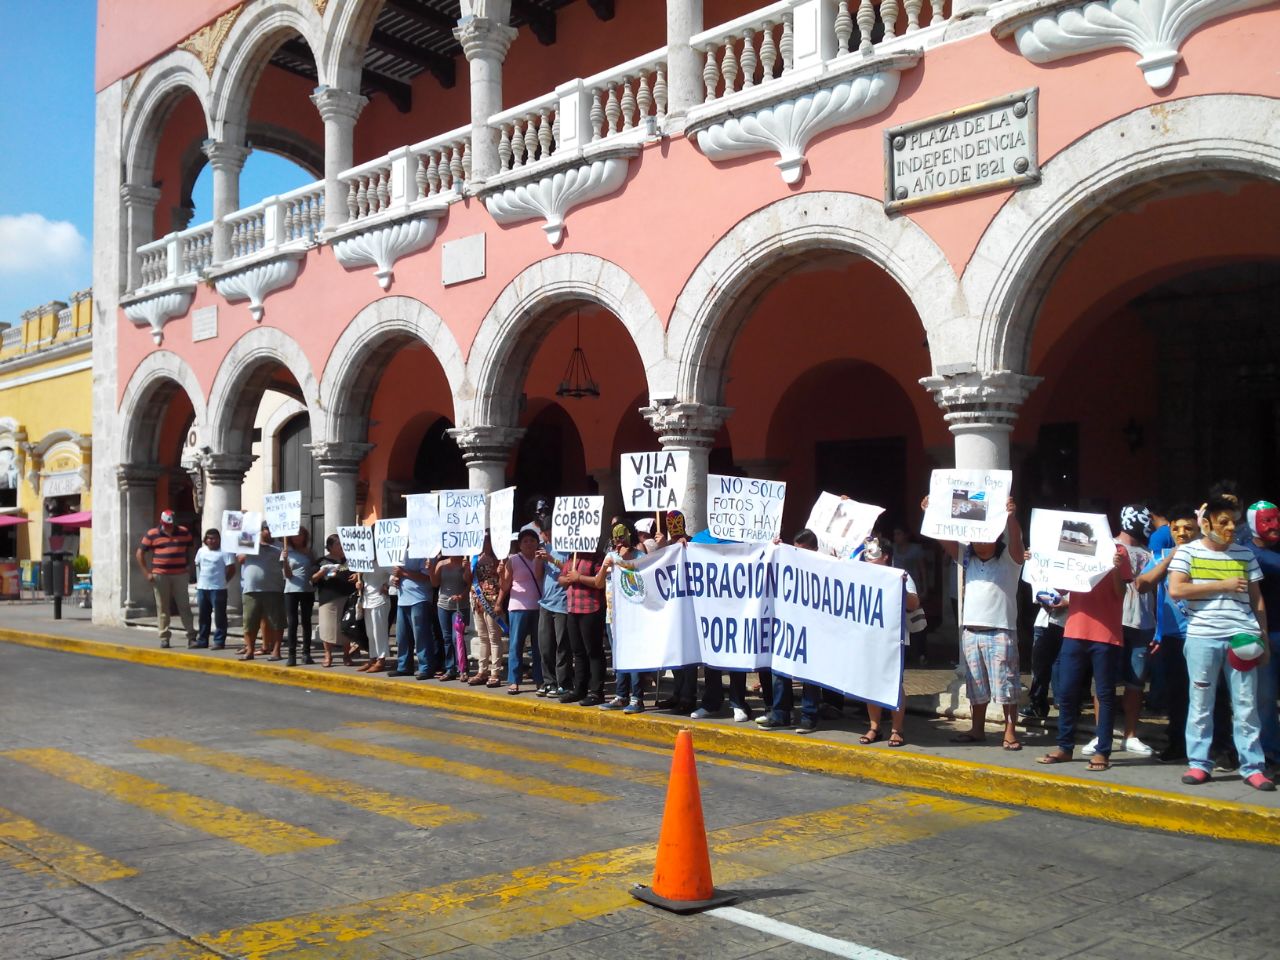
(170, 547)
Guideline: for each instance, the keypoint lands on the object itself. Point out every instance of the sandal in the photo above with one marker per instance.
(477, 681)
(1098, 763)
(1057, 756)
(871, 736)
(1012, 745)
(513, 689)
(493, 682)
(895, 738)
(968, 738)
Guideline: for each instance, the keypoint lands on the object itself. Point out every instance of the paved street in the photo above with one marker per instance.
(148, 813)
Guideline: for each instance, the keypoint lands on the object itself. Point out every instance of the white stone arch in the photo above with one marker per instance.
(244, 373)
(369, 341)
(720, 293)
(347, 27)
(145, 400)
(509, 335)
(1152, 148)
(154, 95)
(247, 50)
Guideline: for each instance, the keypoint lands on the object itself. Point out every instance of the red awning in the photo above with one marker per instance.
(82, 519)
(9, 520)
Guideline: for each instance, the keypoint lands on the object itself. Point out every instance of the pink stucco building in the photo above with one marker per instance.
(833, 243)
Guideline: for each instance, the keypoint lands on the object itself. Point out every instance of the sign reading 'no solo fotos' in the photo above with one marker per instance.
(654, 481)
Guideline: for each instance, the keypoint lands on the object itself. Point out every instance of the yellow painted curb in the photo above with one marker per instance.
(1114, 803)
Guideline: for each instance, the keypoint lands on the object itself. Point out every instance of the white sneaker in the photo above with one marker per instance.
(740, 715)
(1134, 745)
(700, 714)
(1090, 748)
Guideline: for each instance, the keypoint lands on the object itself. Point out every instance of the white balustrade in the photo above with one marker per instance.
(625, 98)
(154, 259)
(11, 338)
(195, 252)
(64, 323)
(442, 165)
(529, 132)
(753, 50)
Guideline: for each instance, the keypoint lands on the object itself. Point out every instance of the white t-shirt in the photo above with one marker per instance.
(374, 581)
(991, 592)
(1220, 615)
(211, 569)
(1139, 608)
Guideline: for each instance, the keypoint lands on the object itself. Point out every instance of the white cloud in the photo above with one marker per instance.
(29, 242)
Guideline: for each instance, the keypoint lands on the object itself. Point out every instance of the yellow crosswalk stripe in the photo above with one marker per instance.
(596, 739)
(497, 907)
(597, 768)
(251, 830)
(62, 853)
(417, 813)
(518, 783)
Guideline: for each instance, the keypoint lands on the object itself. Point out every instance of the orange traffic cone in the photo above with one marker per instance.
(682, 873)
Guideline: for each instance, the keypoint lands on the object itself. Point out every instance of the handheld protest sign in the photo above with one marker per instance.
(654, 481)
(842, 525)
(1069, 551)
(967, 505)
(502, 510)
(240, 531)
(462, 526)
(576, 524)
(423, 511)
(283, 512)
(391, 541)
(357, 544)
(744, 510)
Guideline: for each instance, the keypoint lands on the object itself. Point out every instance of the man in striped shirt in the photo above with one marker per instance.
(170, 548)
(1219, 581)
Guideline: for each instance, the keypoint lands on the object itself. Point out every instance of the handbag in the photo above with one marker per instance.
(351, 622)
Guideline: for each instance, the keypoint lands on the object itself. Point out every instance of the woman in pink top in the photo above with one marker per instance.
(522, 586)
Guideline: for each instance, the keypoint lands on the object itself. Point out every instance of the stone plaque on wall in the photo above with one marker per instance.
(204, 323)
(973, 149)
(462, 260)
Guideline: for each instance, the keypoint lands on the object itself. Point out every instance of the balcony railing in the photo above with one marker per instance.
(297, 216)
(435, 169)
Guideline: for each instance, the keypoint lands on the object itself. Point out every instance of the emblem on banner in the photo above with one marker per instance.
(632, 585)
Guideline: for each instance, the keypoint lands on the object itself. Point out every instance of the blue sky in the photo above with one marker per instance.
(46, 154)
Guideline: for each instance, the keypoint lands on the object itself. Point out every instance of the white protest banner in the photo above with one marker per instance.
(283, 512)
(240, 531)
(357, 544)
(462, 527)
(836, 623)
(576, 524)
(842, 525)
(390, 541)
(654, 481)
(424, 524)
(744, 510)
(502, 510)
(1068, 551)
(967, 505)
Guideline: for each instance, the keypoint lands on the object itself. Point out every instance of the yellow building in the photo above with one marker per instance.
(46, 382)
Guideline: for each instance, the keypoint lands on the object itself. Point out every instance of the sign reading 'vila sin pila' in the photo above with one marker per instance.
(985, 146)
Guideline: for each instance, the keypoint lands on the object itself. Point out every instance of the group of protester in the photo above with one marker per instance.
(1187, 593)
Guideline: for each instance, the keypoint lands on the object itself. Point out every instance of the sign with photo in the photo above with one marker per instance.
(744, 510)
(576, 524)
(654, 481)
(1068, 551)
(462, 526)
(423, 511)
(502, 510)
(390, 541)
(970, 506)
(357, 544)
(283, 512)
(842, 525)
(240, 531)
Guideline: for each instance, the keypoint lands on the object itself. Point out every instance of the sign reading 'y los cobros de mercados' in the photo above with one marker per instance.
(972, 149)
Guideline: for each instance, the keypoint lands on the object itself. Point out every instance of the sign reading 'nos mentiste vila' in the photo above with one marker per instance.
(973, 149)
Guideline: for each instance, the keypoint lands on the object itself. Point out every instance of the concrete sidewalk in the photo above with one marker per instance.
(1135, 791)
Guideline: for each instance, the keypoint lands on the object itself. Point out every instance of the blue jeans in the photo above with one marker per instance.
(1206, 663)
(524, 626)
(1046, 642)
(1268, 717)
(414, 639)
(212, 602)
(1075, 658)
(784, 699)
(445, 618)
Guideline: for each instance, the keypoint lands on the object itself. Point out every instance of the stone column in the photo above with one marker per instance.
(684, 64)
(226, 160)
(339, 465)
(486, 451)
(691, 427)
(136, 484)
(223, 482)
(339, 110)
(608, 486)
(485, 39)
(138, 206)
(980, 409)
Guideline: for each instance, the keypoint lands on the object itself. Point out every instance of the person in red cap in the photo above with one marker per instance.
(170, 547)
